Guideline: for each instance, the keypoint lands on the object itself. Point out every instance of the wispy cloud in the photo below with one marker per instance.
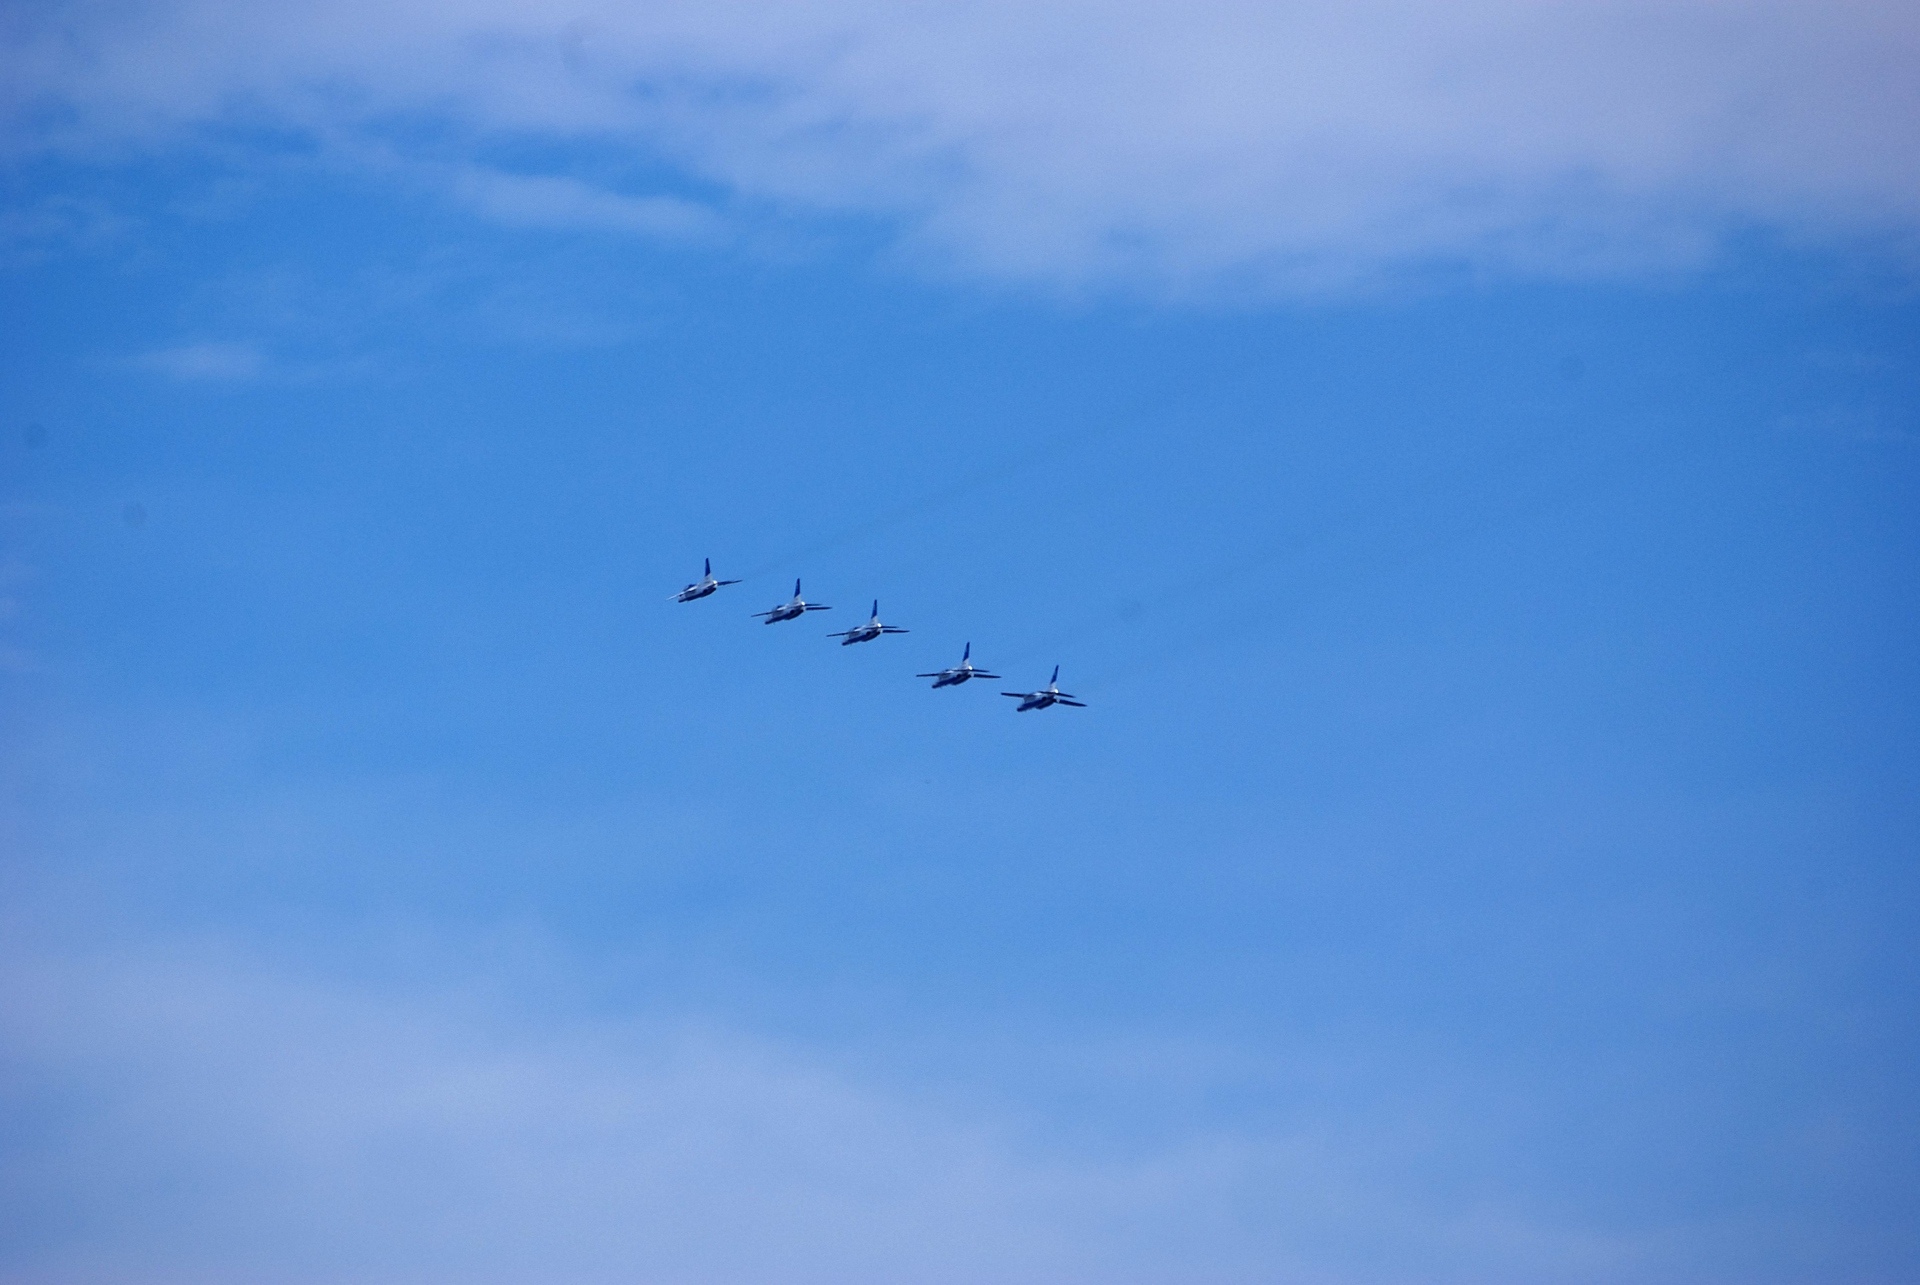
(220, 362)
(547, 201)
(333, 1130)
(33, 231)
(301, 1128)
(430, 1097)
(1850, 423)
(1290, 146)
(240, 362)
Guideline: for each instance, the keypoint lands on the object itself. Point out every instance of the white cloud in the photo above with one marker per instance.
(1076, 141)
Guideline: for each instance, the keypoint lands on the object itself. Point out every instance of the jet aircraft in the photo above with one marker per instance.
(1048, 695)
(867, 632)
(701, 588)
(792, 610)
(960, 673)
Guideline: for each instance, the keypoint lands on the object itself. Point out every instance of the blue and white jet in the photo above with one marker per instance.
(1048, 695)
(867, 632)
(791, 610)
(702, 587)
(960, 673)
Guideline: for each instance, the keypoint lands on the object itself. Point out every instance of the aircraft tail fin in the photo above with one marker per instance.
(709, 566)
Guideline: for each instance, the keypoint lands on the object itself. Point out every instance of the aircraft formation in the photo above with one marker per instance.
(796, 607)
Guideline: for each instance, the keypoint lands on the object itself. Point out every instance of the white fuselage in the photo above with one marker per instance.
(699, 590)
(862, 633)
(954, 677)
(1036, 700)
(791, 611)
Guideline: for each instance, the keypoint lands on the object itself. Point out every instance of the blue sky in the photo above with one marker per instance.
(1466, 466)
